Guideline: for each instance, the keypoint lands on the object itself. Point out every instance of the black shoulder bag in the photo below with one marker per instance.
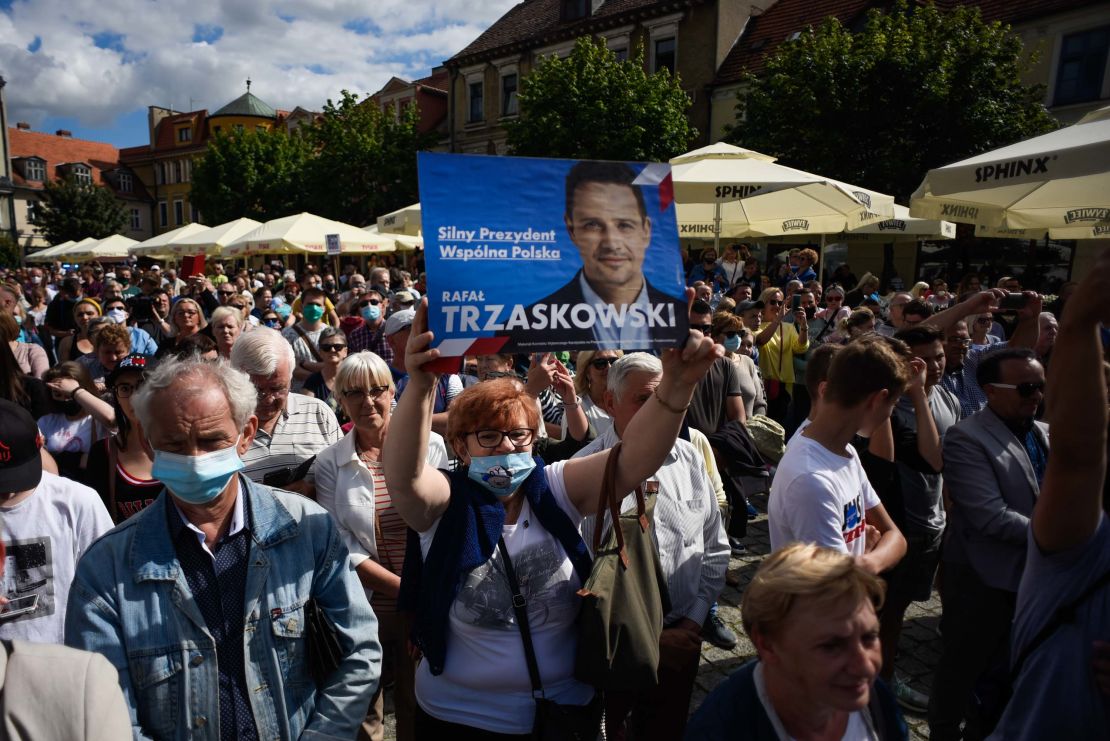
(554, 721)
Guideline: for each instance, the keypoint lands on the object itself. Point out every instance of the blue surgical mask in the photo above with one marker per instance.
(501, 474)
(197, 479)
(371, 313)
(732, 344)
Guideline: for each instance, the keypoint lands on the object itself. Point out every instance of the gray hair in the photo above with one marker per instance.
(257, 352)
(225, 311)
(636, 362)
(328, 332)
(360, 370)
(190, 377)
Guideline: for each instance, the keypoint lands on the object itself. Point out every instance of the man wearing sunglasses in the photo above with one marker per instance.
(994, 464)
(370, 334)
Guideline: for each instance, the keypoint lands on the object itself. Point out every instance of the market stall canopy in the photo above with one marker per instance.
(727, 191)
(304, 234)
(402, 242)
(904, 225)
(67, 253)
(159, 246)
(47, 255)
(402, 221)
(211, 241)
(113, 248)
(1057, 182)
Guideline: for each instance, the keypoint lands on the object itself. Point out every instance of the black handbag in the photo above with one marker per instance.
(554, 721)
(324, 654)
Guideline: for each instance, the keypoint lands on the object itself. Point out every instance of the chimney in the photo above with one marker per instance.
(23, 126)
(64, 132)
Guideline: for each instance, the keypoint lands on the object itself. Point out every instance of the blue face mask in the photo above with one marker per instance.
(197, 479)
(371, 313)
(501, 474)
(732, 344)
(313, 313)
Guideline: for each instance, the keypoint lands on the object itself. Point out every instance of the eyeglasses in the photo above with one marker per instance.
(227, 293)
(272, 393)
(773, 302)
(374, 392)
(730, 335)
(333, 347)
(368, 302)
(602, 363)
(833, 298)
(960, 342)
(124, 390)
(703, 328)
(1025, 390)
(492, 438)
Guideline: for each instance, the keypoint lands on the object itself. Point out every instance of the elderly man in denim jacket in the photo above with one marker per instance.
(200, 600)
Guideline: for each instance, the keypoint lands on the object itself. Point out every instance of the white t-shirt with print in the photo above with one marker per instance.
(65, 435)
(820, 497)
(485, 681)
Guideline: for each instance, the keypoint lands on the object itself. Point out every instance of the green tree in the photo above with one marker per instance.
(71, 210)
(914, 89)
(592, 106)
(258, 174)
(365, 160)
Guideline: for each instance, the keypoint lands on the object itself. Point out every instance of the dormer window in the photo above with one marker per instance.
(574, 10)
(184, 135)
(34, 170)
(126, 184)
(81, 173)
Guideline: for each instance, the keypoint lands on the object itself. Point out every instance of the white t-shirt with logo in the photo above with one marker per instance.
(820, 497)
(485, 681)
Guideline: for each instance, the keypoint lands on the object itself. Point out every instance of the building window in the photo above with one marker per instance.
(575, 9)
(194, 216)
(32, 211)
(178, 175)
(1082, 66)
(217, 129)
(136, 220)
(238, 128)
(178, 212)
(664, 57)
(184, 135)
(82, 174)
(621, 53)
(125, 183)
(475, 112)
(163, 213)
(36, 170)
(508, 95)
(188, 171)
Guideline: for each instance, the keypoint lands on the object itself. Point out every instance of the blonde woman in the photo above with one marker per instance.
(811, 613)
(778, 343)
(227, 325)
(186, 319)
(591, 375)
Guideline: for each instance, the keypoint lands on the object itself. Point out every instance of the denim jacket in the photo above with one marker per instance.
(130, 602)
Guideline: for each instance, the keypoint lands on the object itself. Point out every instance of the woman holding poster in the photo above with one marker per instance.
(505, 512)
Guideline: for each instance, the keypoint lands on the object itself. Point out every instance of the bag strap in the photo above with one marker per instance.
(308, 341)
(610, 501)
(113, 461)
(1062, 616)
(520, 607)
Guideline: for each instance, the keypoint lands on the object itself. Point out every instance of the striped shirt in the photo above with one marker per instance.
(688, 531)
(391, 532)
(306, 426)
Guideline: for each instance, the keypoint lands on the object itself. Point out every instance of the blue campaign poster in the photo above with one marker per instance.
(532, 255)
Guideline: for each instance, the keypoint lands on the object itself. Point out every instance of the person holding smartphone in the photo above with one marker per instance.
(778, 342)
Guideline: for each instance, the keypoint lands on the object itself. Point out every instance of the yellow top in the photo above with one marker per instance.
(776, 356)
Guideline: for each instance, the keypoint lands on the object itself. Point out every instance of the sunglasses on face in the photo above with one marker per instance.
(773, 302)
(369, 302)
(602, 363)
(834, 298)
(703, 328)
(1025, 390)
(730, 335)
(332, 347)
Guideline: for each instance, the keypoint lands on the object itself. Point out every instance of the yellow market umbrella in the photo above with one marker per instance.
(904, 225)
(402, 221)
(1055, 183)
(727, 191)
(304, 234)
(401, 242)
(66, 255)
(159, 246)
(211, 241)
(47, 255)
(111, 248)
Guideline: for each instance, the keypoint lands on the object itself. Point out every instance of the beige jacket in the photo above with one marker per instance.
(56, 693)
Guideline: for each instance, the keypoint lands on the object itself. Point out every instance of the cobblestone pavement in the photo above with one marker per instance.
(919, 648)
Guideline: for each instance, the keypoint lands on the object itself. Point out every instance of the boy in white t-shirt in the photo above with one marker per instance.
(820, 493)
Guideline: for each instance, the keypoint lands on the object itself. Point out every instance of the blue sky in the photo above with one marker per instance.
(93, 66)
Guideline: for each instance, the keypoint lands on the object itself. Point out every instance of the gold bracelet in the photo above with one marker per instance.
(668, 407)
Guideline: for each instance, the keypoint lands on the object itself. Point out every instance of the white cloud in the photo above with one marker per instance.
(296, 52)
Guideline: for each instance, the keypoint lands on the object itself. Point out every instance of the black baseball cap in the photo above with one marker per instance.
(20, 440)
(747, 306)
(133, 362)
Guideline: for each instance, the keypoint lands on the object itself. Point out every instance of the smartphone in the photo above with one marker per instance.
(19, 606)
(1013, 302)
(796, 302)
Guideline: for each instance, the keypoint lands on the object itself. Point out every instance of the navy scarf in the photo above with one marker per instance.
(465, 539)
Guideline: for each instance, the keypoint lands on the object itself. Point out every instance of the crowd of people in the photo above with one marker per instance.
(248, 510)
